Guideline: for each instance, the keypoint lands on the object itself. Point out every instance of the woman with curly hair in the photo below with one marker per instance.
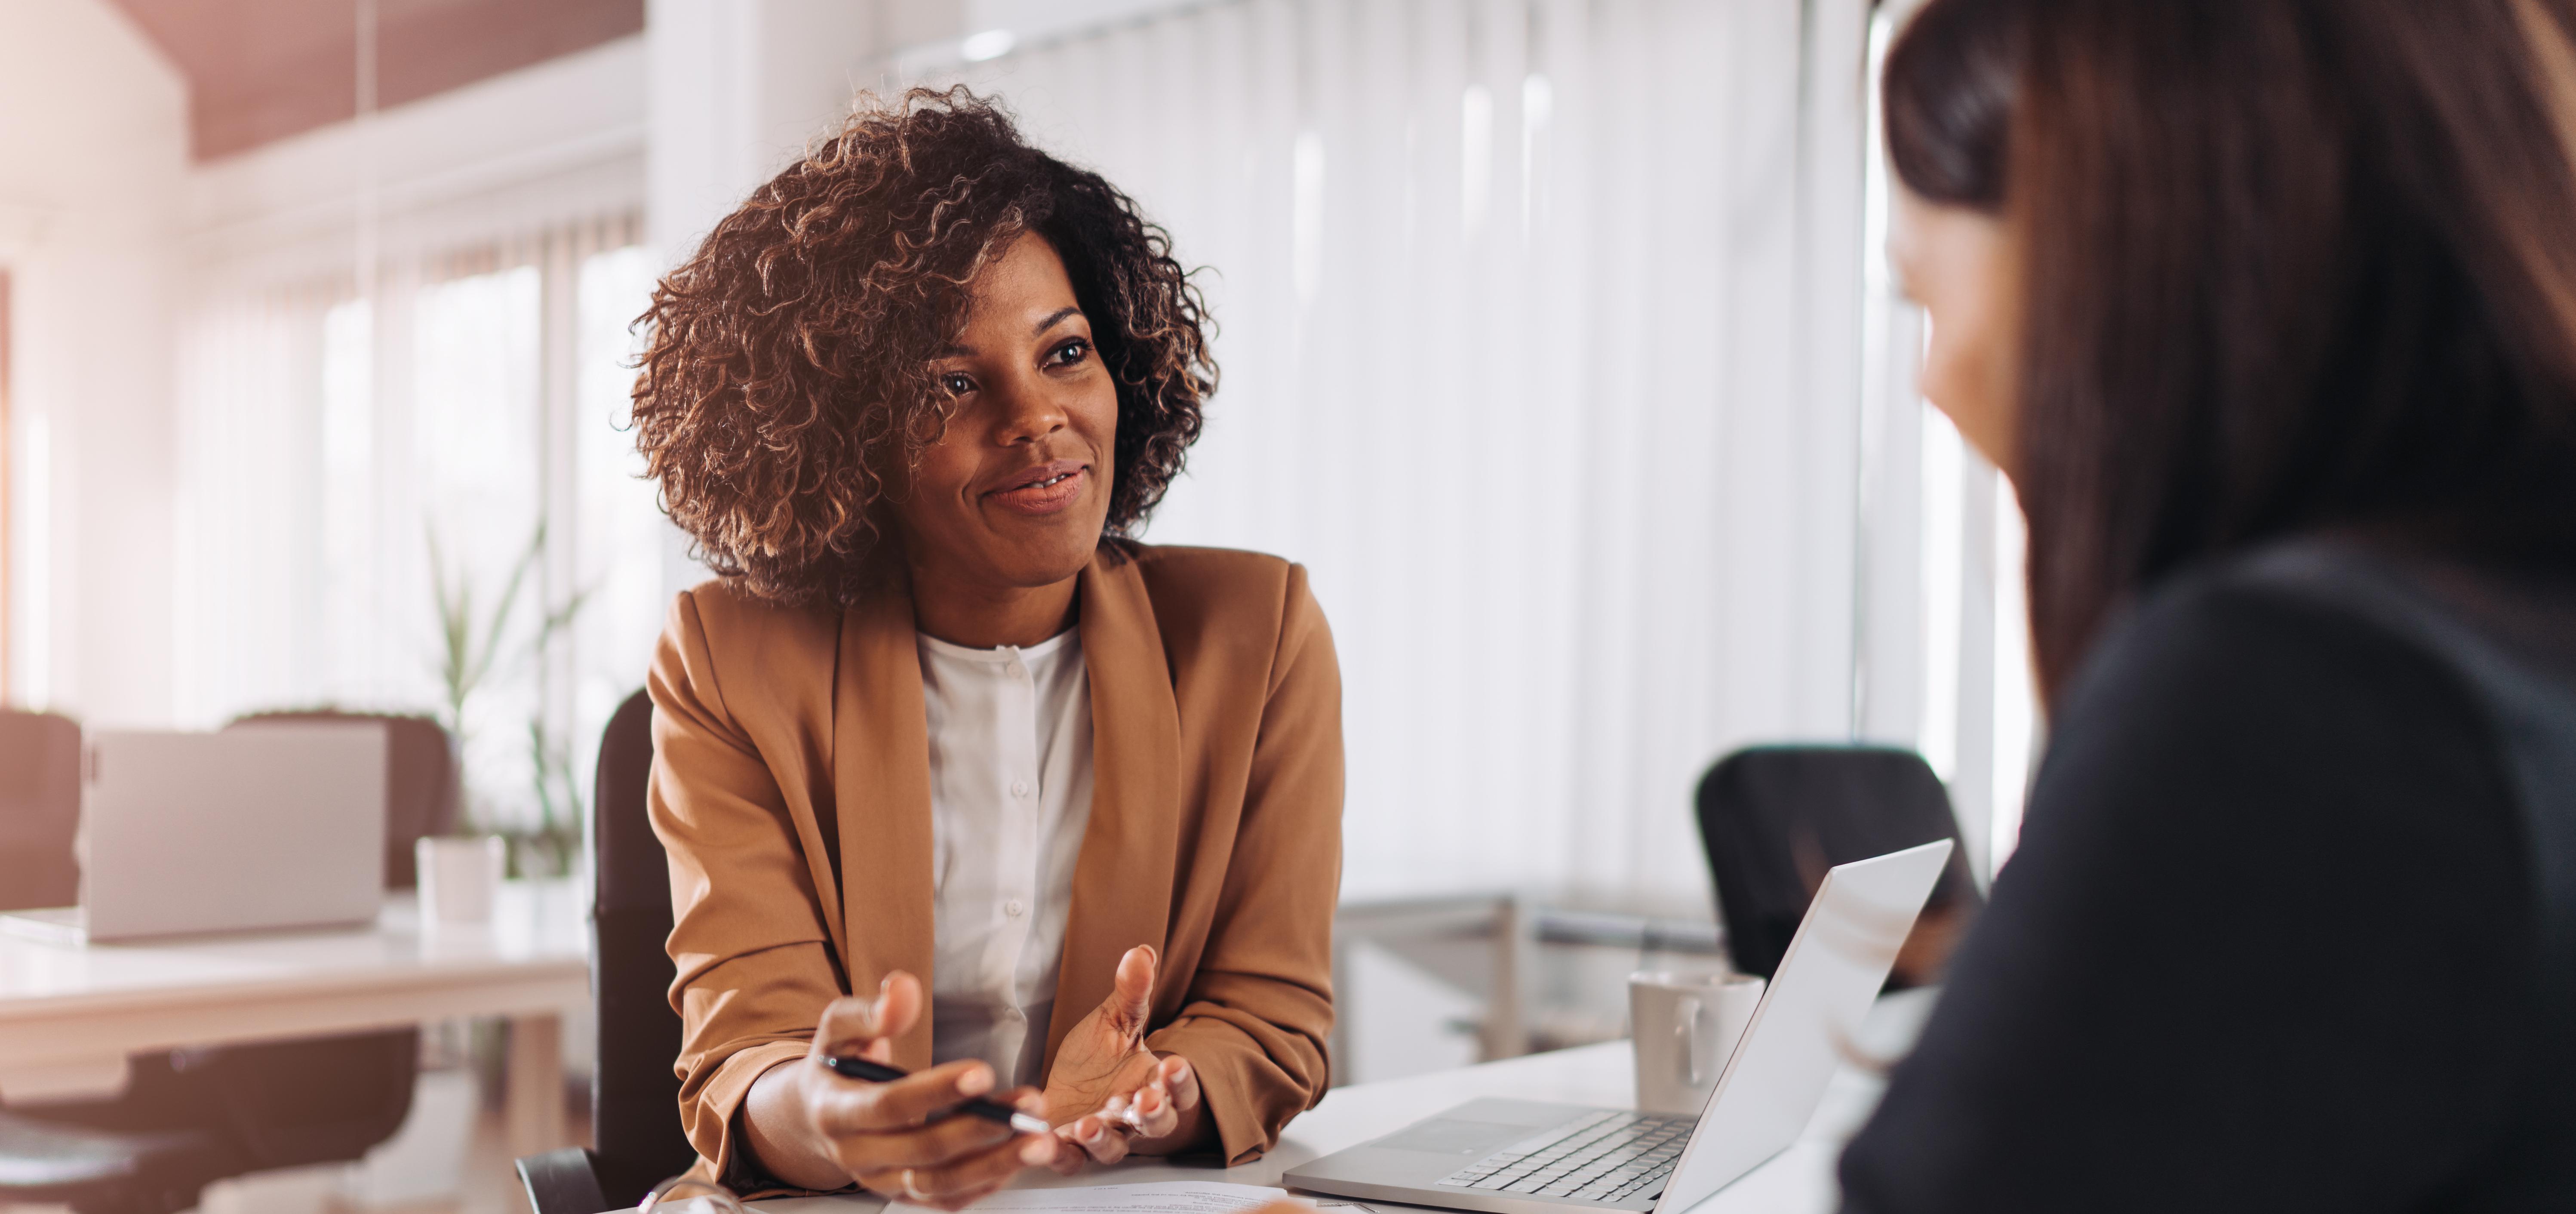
(954, 773)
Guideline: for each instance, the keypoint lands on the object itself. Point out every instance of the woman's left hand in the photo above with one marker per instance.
(1130, 1099)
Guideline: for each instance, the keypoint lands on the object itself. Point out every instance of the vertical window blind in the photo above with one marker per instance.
(1511, 297)
(383, 487)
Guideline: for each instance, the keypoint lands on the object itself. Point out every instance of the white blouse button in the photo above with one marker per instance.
(1015, 670)
(1019, 788)
(1015, 908)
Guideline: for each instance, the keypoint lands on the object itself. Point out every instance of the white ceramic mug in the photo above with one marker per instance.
(1686, 1025)
(458, 878)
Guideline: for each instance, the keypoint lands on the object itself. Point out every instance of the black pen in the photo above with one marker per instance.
(989, 1110)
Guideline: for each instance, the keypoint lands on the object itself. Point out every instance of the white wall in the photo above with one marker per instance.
(93, 139)
(1033, 20)
(739, 86)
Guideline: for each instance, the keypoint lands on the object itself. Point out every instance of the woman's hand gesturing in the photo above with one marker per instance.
(1129, 1099)
(815, 1129)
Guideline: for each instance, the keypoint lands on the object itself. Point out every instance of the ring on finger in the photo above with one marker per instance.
(911, 1191)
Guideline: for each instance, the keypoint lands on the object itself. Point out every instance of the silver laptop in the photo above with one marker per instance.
(281, 825)
(1530, 1156)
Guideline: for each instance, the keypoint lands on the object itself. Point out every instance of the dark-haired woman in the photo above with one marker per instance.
(2268, 308)
(951, 773)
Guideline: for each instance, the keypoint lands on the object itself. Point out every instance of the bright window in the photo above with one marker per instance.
(369, 482)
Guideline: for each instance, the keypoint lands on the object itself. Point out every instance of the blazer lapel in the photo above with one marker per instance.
(1122, 880)
(881, 783)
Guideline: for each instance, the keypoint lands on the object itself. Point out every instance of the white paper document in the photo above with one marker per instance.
(1170, 1197)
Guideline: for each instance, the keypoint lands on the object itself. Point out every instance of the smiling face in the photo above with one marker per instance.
(1015, 492)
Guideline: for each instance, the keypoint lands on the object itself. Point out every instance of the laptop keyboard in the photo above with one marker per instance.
(1599, 1157)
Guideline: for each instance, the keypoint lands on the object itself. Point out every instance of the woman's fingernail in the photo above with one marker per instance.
(976, 1081)
(1037, 1152)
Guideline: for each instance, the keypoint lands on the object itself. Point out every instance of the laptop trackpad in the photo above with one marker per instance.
(1451, 1136)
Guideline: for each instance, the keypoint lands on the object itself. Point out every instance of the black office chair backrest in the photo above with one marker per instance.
(420, 781)
(635, 1100)
(39, 810)
(1774, 818)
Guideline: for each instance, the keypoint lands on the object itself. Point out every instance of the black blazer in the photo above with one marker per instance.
(2292, 925)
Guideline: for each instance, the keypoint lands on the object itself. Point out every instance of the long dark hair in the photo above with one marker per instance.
(2289, 266)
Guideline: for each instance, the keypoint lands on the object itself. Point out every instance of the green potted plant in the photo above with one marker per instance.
(474, 647)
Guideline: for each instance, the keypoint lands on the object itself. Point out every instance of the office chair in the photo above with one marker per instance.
(1774, 818)
(191, 1117)
(635, 1100)
(39, 810)
(421, 781)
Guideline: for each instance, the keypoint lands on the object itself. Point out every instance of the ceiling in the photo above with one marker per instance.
(261, 70)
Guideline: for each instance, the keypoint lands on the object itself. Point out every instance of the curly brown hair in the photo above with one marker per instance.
(787, 380)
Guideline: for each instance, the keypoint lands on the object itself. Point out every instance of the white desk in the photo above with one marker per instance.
(69, 1015)
(1796, 1181)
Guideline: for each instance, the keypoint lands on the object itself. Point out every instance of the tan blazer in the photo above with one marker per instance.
(791, 785)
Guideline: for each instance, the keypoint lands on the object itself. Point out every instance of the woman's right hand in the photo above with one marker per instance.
(815, 1129)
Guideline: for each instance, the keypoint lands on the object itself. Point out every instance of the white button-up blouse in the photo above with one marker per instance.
(1010, 796)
